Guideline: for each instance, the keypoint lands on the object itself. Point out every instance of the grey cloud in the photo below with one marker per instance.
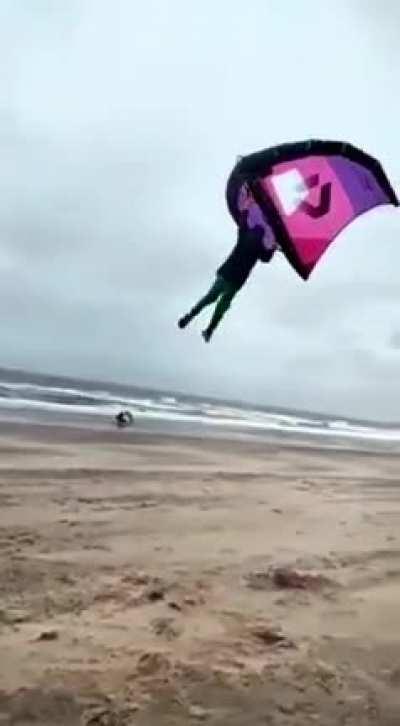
(394, 341)
(118, 127)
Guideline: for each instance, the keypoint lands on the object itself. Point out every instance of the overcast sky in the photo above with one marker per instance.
(119, 123)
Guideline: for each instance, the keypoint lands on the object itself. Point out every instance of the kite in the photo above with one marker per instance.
(304, 194)
(297, 197)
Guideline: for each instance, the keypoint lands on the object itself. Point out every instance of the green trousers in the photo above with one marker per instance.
(221, 292)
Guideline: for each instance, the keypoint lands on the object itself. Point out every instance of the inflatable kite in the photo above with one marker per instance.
(303, 194)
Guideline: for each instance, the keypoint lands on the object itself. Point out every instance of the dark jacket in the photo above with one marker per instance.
(247, 251)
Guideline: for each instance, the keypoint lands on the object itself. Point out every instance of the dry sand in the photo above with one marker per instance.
(137, 582)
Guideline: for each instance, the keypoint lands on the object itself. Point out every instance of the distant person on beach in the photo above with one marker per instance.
(123, 419)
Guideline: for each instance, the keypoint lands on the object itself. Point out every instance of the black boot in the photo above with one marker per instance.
(207, 335)
(184, 321)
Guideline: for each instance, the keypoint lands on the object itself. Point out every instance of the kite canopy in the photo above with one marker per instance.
(303, 194)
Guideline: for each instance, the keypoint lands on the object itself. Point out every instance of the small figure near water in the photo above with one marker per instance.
(124, 419)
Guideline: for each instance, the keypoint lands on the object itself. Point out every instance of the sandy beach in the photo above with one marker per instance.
(151, 580)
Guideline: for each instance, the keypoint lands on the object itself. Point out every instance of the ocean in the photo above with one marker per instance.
(37, 398)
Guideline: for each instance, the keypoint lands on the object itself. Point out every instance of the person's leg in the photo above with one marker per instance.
(212, 296)
(221, 308)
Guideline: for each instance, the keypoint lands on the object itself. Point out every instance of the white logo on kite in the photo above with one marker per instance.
(291, 190)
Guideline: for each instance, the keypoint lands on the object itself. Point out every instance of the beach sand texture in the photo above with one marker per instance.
(159, 580)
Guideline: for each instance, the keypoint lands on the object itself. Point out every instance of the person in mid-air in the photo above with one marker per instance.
(231, 276)
(295, 197)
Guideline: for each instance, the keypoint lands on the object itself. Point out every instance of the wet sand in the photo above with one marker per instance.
(141, 582)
